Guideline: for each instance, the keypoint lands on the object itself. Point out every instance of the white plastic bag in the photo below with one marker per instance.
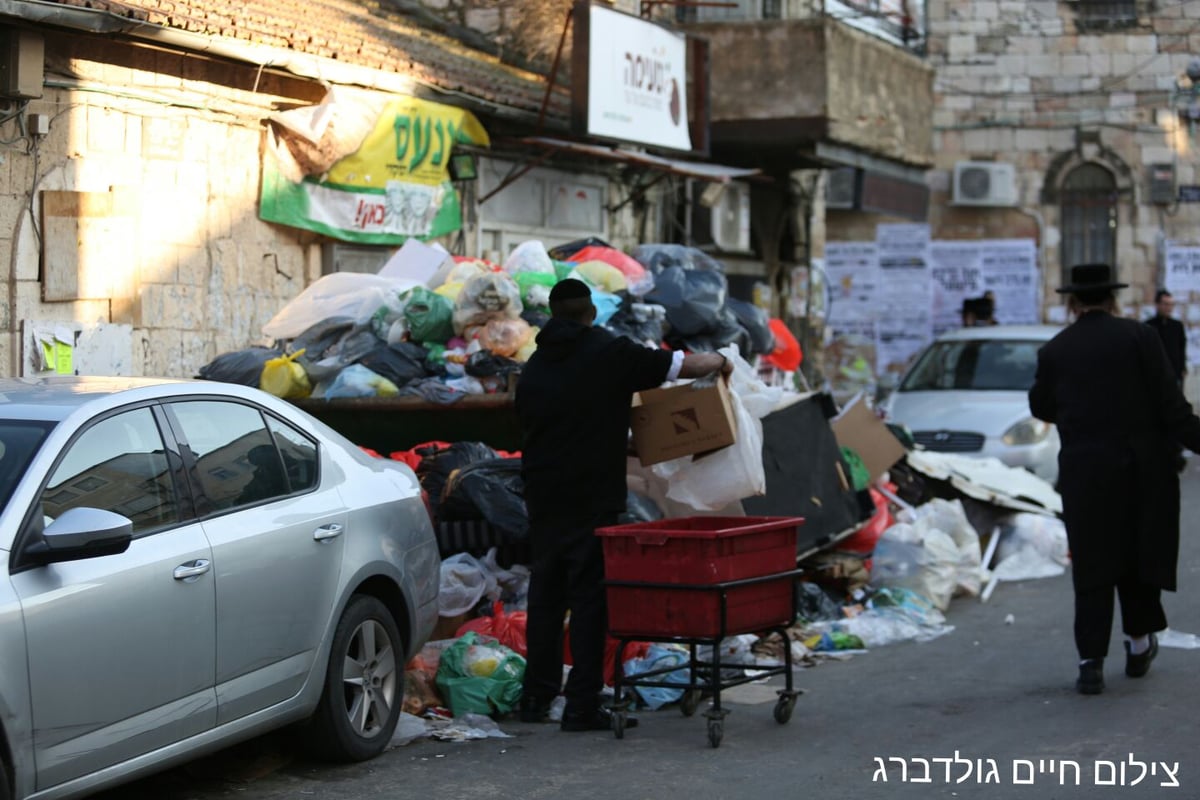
(949, 517)
(529, 256)
(340, 294)
(735, 472)
(919, 558)
(464, 582)
(359, 381)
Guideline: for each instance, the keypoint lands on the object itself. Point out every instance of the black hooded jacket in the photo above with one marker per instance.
(573, 404)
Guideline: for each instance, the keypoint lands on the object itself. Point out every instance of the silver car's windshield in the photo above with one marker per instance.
(980, 364)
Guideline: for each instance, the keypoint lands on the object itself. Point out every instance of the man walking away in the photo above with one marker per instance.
(1106, 383)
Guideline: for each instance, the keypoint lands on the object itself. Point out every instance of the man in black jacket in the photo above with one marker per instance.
(1106, 383)
(1170, 330)
(573, 400)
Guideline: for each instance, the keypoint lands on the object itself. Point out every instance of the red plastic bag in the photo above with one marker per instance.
(786, 355)
(632, 650)
(863, 541)
(508, 629)
(635, 274)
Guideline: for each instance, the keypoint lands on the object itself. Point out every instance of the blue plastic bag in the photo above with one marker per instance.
(660, 657)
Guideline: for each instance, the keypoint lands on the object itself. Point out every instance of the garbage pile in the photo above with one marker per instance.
(440, 327)
(896, 578)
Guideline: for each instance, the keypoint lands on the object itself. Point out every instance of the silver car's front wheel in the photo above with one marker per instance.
(360, 705)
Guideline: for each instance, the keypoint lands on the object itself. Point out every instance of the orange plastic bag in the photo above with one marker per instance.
(508, 629)
(786, 355)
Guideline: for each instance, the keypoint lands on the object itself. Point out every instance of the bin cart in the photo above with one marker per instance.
(695, 581)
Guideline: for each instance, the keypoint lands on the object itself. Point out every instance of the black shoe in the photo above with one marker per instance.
(598, 720)
(534, 709)
(1139, 665)
(1091, 676)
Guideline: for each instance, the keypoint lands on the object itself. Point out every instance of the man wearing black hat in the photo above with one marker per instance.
(1106, 383)
(573, 401)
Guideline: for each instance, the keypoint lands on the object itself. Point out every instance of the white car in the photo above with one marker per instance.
(187, 564)
(967, 392)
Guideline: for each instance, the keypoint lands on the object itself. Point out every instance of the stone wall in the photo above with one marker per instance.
(1032, 84)
(176, 141)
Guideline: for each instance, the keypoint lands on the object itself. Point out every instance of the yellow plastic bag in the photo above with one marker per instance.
(283, 377)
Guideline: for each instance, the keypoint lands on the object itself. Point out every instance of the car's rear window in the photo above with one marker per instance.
(979, 364)
(19, 443)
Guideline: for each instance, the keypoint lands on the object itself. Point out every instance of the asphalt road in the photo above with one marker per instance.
(999, 695)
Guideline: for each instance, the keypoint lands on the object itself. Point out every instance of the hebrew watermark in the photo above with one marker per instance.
(1026, 772)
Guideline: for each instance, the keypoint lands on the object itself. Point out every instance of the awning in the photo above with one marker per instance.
(716, 173)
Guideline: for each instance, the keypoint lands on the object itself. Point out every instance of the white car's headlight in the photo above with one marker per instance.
(1027, 431)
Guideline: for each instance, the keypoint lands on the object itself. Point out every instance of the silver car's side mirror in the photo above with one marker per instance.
(82, 533)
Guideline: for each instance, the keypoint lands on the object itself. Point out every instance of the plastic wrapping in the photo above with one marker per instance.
(660, 657)
(637, 278)
(464, 583)
(356, 295)
(642, 322)
(401, 364)
(566, 252)
(657, 257)
(491, 490)
(491, 296)
(757, 324)
(535, 289)
(950, 517)
(476, 677)
(601, 276)
(508, 628)
(919, 558)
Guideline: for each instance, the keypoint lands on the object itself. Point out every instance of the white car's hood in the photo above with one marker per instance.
(990, 413)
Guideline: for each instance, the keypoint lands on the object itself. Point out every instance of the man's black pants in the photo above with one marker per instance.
(567, 575)
(1141, 613)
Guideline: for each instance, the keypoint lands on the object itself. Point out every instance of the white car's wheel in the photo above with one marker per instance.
(364, 685)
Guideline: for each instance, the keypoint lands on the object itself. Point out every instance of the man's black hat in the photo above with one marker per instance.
(569, 289)
(1090, 278)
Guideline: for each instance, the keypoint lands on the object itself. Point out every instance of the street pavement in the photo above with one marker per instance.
(987, 711)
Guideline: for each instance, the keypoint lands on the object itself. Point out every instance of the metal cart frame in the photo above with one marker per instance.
(696, 686)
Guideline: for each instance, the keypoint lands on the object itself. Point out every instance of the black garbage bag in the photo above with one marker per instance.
(400, 363)
(439, 460)
(321, 339)
(756, 321)
(486, 364)
(642, 322)
(535, 318)
(693, 298)
(813, 603)
(564, 251)
(657, 257)
(240, 366)
(491, 490)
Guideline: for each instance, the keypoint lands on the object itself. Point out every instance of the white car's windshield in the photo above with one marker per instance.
(979, 364)
(19, 442)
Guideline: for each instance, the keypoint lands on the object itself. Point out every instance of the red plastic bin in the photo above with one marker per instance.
(699, 551)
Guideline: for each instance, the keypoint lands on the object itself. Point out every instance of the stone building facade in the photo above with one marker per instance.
(1088, 103)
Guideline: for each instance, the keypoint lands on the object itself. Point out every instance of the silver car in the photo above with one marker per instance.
(187, 564)
(968, 392)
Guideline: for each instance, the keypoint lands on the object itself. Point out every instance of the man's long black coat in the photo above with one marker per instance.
(1107, 385)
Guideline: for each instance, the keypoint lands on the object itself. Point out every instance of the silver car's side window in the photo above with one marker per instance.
(118, 464)
(236, 463)
(299, 454)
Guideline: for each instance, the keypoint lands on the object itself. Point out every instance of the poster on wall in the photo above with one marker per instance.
(853, 274)
(905, 305)
(366, 167)
(1010, 272)
(1182, 280)
(957, 275)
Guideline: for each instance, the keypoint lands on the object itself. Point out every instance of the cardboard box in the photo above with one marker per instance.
(858, 428)
(681, 421)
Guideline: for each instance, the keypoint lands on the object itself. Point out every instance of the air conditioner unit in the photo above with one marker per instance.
(842, 188)
(984, 183)
(730, 219)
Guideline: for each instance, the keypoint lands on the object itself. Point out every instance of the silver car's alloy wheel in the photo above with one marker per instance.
(369, 675)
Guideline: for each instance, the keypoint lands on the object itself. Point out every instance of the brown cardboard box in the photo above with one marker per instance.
(681, 421)
(858, 428)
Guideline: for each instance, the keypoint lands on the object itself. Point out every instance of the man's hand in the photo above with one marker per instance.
(696, 365)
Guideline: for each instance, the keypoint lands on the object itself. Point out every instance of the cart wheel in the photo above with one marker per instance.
(690, 702)
(618, 724)
(783, 709)
(716, 729)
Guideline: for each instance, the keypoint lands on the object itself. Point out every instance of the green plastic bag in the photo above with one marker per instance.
(535, 288)
(562, 268)
(480, 677)
(429, 315)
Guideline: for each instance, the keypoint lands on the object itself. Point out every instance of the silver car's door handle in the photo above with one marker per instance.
(327, 532)
(192, 569)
